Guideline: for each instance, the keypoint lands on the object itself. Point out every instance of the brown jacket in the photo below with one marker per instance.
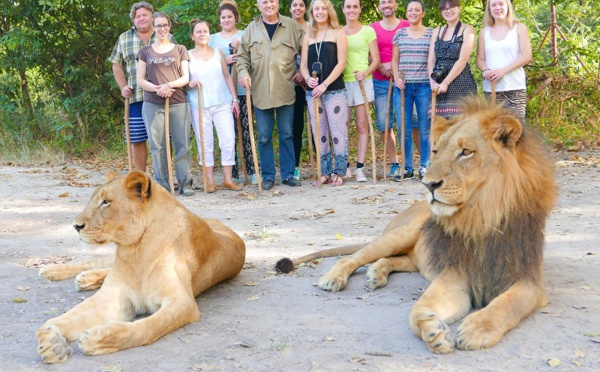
(271, 64)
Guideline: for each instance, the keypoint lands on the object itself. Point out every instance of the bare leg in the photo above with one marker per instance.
(362, 126)
(140, 155)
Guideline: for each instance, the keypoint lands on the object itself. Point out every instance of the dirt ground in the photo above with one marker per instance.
(263, 321)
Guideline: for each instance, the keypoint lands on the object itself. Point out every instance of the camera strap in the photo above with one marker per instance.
(454, 35)
(318, 46)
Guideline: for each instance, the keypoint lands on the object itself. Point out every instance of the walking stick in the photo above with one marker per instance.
(239, 126)
(364, 94)
(402, 130)
(128, 134)
(311, 154)
(201, 126)
(252, 142)
(387, 122)
(317, 134)
(493, 95)
(168, 145)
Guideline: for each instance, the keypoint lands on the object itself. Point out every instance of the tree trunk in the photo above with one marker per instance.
(25, 97)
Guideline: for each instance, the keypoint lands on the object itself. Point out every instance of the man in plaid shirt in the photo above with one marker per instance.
(124, 60)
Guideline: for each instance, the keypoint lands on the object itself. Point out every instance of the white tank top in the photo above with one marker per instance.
(210, 74)
(500, 53)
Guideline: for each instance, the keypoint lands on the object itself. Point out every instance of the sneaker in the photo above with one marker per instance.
(407, 175)
(267, 184)
(360, 176)
(394, 171)
(297, 174)
(186, 190)
(292, 182)
(422, 171)
(255, 179)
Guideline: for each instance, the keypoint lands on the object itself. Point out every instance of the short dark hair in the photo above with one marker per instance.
(451, 3)
(230, 7)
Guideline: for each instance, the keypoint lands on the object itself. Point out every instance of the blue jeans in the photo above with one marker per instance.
(417, 95)
(380, 87)
(265, 121)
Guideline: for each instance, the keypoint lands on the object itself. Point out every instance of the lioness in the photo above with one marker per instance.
(478, 237)
(165, 256)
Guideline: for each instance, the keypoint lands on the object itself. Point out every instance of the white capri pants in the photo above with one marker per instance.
(222, 118)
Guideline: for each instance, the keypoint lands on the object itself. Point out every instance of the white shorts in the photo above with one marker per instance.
(355, 96)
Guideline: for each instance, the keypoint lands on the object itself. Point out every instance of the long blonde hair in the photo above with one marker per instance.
(489, 21)
(332, 18)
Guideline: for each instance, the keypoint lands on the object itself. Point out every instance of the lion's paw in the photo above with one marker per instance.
(436, 334)
(52, 346)
(477, 332)
(377, 277)
(103, 339)
(89, 280)
(332, 282)
(54, 272)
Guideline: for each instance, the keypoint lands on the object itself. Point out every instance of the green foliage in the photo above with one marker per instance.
(57, 90)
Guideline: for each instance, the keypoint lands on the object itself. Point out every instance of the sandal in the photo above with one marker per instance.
(325, 179)
(337, 180)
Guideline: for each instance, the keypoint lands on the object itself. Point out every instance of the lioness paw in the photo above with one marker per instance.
(89, 280)
(104, 339)
(52, 346)
(377, 276)
(477, 332)
(332, 282)
(54, 273)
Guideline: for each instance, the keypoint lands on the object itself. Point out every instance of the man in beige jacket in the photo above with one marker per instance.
(266, 64)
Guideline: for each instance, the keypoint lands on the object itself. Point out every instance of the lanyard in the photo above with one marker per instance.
(318, 47)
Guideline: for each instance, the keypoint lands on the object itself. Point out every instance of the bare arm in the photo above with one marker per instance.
(304, 63)
(141, 78)
(121, 79)
(480, 60)
(229, 80)
(395, 69)
(431, 58)
(374, 55)
(524, 58)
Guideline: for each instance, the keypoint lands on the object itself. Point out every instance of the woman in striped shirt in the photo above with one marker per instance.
(411, 49)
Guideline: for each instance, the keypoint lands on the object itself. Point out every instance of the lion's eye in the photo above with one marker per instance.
(465, 153)
(105, 203)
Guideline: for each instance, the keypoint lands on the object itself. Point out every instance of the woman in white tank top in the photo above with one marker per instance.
(503, 49)
(208, 70)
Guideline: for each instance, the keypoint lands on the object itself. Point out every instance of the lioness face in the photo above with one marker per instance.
(111, 216)
(465, 156)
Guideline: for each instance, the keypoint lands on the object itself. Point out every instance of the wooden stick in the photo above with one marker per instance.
(168, 146)
(387, 122)
(317, 134)
(364, 94)
(311, 154)
(201, 126)
(493, 95)
(433, 98)
(252, 142)
(128, 134)
(239, 126)
(402, 130)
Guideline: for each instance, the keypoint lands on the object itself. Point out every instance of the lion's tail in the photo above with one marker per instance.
(287, 265)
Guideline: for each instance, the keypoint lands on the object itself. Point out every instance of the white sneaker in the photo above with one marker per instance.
(360, 176)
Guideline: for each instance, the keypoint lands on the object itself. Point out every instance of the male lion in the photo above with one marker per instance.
(478, 238)
(165, 257)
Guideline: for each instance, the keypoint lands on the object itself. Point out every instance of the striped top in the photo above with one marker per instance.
(413, 55)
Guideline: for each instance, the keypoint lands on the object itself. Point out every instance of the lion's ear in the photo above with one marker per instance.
(138, 185)
(439, 127)
(506, 129)
(110, 175)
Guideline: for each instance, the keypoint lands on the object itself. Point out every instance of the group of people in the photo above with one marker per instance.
(289, 63)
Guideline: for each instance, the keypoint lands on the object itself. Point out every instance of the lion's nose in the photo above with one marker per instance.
(432, 186)
(78, 227)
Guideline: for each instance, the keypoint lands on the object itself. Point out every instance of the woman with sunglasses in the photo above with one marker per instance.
(448, 62)
(162, 73)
